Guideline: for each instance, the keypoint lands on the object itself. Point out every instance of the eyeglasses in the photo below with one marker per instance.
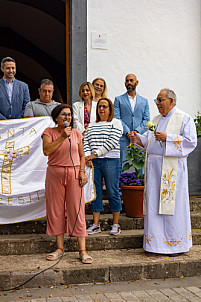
(103, 106)
(66, 114)
(159, 100)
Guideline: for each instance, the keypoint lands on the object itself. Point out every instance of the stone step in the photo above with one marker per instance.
(39, 226)
(196, 220)
(195, 205)
(107, 266)
(36, 243)
(41, 243)
(126, 223)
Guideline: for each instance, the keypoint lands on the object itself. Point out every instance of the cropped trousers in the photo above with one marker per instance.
(109, 169)
(64, 195)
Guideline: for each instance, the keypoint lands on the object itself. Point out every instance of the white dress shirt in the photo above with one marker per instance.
(132, 102)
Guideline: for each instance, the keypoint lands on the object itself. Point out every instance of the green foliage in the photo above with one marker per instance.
(197, 121)
(134, 158)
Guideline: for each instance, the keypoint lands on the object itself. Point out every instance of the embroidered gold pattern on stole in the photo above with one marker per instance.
(170, 185)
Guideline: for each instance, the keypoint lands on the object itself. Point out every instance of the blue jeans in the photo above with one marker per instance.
(110, 169)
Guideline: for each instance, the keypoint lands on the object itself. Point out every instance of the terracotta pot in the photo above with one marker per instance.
(133, 200)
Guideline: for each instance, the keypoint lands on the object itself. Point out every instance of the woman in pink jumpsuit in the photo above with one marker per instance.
(65, 178)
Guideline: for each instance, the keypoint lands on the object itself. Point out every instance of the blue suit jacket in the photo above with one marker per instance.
(20, 97)
(131, 120)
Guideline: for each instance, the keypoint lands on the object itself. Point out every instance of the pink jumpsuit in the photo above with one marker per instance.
(63, 192)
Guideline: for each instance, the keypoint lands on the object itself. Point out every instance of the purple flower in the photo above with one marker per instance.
(130, 179)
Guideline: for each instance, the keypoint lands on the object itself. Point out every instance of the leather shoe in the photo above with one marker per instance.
(175, 254)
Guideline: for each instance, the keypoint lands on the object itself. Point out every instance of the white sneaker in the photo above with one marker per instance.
(115, 229)
(93, 229)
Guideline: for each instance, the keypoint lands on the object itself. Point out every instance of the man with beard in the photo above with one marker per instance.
(14, 94)
(132, 110)
(45, 104)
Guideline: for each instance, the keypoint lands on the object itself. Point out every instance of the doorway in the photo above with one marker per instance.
(36, 35)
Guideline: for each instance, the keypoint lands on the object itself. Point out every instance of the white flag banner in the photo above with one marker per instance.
(23, 169)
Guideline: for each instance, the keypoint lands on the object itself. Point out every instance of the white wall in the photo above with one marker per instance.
(158, 40)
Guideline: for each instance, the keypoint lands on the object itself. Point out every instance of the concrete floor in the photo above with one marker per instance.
(108, 290)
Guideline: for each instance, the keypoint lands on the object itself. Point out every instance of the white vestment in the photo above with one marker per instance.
(168, 234)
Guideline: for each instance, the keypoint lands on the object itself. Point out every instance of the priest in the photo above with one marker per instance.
(167, 225)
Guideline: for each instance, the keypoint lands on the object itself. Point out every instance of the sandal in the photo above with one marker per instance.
(86, 259)
(54, 256)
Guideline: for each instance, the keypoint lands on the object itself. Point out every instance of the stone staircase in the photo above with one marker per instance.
(24, 247)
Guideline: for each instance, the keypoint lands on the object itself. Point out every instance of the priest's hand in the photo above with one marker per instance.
(134, 139)
(129, 134)
(160, 136)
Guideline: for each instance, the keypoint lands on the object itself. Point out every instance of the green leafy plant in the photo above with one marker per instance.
(197, 121)
(134, 158)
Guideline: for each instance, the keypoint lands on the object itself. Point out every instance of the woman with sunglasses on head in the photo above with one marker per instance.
(84, 111)
(65, 178)
(102, 150)
(100, 88)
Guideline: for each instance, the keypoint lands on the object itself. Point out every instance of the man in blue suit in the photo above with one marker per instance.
(133, 111)
(14, 94)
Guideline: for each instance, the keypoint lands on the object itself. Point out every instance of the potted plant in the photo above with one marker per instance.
(197, 121)
(132, 183)
(194, 162)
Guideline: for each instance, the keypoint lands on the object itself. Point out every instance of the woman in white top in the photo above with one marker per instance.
(100, 88)
(84, 112)
(102, 151)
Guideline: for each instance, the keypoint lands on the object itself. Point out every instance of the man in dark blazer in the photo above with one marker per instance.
(133, 111)
(14, 94)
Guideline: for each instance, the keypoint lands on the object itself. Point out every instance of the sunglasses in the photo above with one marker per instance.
(66, 114)
(103, 106)
(159, 100)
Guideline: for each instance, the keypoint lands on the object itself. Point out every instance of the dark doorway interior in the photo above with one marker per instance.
(34, 34)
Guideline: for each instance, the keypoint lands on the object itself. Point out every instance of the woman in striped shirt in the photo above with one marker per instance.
(102, 150)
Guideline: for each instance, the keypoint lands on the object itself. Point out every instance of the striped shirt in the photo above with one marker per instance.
(103, 138)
